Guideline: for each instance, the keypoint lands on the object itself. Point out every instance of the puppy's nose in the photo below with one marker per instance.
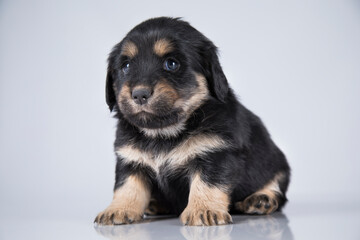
(141, 95)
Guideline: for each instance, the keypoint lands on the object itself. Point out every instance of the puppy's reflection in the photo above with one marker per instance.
(153, 228)
(144, 230)
(272, 227)
(126, 232)
(207, 233)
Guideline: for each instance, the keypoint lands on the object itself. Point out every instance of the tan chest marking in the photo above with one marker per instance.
(173, 130)
(190, 148)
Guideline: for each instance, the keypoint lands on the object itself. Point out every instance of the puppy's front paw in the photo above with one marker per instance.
(114, 216)
(204, 217)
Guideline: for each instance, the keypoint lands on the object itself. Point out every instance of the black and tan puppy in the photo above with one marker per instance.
(184, 144)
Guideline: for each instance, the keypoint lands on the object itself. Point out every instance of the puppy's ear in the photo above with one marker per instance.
(218, 84)
(109, 91)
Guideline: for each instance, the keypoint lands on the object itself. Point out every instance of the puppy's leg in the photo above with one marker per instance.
(129, 202)
(264, 201)
(207, 205)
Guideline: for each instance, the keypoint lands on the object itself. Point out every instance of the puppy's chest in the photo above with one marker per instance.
(171, 159)
(177, 156)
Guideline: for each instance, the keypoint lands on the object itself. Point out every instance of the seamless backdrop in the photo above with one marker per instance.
(296, 64)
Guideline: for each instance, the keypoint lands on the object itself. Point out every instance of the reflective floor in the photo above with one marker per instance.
(296, 222)
(246, 227)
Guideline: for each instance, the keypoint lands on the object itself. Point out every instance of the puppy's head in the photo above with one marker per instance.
(161, 72)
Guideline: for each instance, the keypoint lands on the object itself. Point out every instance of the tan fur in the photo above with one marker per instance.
(125, 91)
(140, 86)
(271, 190)
(201, 93)
(196, 145)
(163, 89)
(125, 94)
(206, 206)
(166, 132)
(191, 147)
(273, 186)
(131, 154)
(128, 204)
(162, 47)
(129, 49)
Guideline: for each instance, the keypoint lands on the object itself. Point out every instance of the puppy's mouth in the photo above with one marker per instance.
(155, 110)
(150, 120)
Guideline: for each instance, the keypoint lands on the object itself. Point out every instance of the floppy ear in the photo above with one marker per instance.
(109, 91)
(217, 81)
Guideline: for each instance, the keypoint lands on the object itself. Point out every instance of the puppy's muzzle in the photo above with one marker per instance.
(141, 95)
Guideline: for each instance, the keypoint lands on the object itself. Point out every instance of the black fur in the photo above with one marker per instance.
(251, 162)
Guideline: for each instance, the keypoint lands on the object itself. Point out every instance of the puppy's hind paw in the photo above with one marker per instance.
(258, 204)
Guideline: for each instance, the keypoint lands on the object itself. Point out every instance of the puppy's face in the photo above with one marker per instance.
(155, 87)
(161, 72)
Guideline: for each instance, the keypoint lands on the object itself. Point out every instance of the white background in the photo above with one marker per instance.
(295, 64)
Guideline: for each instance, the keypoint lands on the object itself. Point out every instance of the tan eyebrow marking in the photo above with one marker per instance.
(129, 49)
(162, 47)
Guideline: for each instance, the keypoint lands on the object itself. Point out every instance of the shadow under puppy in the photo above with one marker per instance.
(184, 144)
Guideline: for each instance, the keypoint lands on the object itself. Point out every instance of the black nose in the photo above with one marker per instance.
(141, 96)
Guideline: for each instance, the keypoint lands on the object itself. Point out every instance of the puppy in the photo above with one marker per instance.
(184, 144)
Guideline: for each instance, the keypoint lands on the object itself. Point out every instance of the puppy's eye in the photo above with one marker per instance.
(171, 65)
(125, 68)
